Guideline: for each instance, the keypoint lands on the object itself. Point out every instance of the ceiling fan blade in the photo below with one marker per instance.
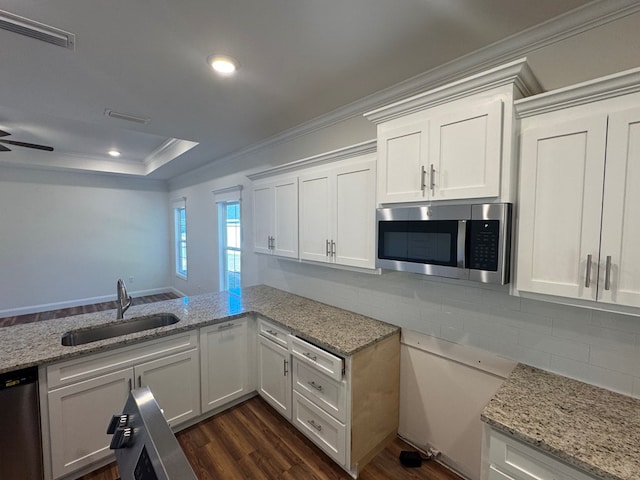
(28, 145)
(4, 134)
(4, 149)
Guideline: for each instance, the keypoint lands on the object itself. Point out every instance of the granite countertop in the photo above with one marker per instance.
(339, 331)
(586, 426)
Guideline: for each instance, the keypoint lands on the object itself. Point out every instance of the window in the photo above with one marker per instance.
(180, 217)
(230, 246)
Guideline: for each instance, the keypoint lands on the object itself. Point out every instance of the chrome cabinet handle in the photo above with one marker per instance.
(139, 381)
(587, 279)
(315, 385)
(328, 250)
(130, 385)
(224, 327)
(273, 243)
(269, 242)
(286, 370)
(272, 332)
(432, 178)
(315, 425)
(333, 248)
(309, 356)
(607, 273)
(423, 174)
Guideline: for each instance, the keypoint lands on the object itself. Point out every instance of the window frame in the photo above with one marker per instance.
(224, 248)
(180, 244)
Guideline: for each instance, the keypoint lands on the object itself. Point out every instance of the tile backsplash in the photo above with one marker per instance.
(597, 347)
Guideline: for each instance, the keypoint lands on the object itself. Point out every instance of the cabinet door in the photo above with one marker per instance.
(263, 201)
(274, 376)
(175, 384)
(354, 198)
(465, 153)
(224, 363)
(402, 158)
(315, 216)
(78, 418)
(561, 175)
(620, 225)
(285, 218)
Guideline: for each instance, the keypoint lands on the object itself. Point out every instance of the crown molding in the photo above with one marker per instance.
(351, 151)
(615, 85)
(515, 73)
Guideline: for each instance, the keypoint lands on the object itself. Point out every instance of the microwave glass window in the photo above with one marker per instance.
(431, 242)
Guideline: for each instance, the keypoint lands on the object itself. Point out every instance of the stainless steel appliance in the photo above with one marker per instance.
(469, 242)
(20, 439)
(145, 446)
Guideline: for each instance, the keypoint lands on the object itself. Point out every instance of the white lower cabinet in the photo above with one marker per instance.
(274, 375)
(510, 459)
(324, 430)
(224, 360)
(84, 393)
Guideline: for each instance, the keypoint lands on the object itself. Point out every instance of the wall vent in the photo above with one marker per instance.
(39, 31)
(130, 117)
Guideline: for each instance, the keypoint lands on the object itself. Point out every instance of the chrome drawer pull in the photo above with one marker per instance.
(315, 425)
(272, 332)
(310, 357)
(587, 279)
(286, 370)
(223, 327)
(316, 386)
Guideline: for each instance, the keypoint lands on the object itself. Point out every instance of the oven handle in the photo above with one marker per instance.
(462, 243)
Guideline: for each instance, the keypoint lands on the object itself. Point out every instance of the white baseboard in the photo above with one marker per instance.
(45, 307)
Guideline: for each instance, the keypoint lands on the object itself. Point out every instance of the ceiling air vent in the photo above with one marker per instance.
(39, 31)
(130, 117)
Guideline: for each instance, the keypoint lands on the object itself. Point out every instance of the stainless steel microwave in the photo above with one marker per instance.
(471, 242)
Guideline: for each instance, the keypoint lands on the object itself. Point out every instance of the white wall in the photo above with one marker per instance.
(66, 238)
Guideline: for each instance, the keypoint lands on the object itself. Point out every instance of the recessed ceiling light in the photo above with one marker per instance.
(114, 153)
(222, 64)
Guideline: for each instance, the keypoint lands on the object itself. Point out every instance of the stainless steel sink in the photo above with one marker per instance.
(88, 335)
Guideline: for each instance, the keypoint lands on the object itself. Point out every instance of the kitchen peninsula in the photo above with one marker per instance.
(332, 373)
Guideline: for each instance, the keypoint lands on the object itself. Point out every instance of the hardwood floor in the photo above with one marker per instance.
(252, 441)
(69, 312)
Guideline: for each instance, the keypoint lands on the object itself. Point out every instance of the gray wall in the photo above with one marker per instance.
(66, 238)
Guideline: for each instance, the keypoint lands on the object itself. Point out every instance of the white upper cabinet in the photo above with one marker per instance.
(465, 153)
(327, 214)
(453, 142)
(403, 158)
(337, 213)
(275, 207)
(561, 174)
(578, 230)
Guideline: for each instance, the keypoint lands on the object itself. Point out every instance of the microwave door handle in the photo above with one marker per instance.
(462, 242)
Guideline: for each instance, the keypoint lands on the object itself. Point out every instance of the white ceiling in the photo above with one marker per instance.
(298, 59)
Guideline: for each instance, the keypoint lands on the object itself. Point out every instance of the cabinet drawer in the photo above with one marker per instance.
(323, 430)
(322, 390)
(273, 332)
(518, 461)
(90, 366)
(320, 359)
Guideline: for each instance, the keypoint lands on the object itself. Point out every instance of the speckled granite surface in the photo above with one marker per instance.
(588, 427)
(337, 330)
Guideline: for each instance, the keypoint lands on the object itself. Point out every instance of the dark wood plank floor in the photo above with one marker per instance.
(69, 312)
(252, 441)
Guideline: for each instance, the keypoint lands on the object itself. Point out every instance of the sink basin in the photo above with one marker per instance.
(82, 336)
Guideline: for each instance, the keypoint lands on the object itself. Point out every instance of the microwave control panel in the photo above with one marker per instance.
(484, 236)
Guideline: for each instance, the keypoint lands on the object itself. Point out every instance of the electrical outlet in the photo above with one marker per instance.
(131, 279)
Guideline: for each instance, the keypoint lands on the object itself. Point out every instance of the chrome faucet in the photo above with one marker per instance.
(124, 300)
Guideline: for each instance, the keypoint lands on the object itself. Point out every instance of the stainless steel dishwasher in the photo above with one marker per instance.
(20, 439)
